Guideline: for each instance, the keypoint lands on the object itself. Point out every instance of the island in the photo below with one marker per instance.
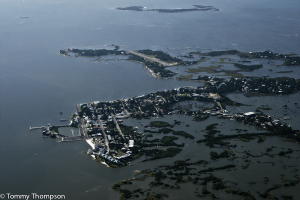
(159, 63)
(196, 8)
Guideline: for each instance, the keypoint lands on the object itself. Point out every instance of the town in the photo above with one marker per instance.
(116, 145)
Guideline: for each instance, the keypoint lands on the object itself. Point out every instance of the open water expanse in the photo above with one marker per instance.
(36, 83)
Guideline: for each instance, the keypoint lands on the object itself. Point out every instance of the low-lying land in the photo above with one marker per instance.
(196, 8)
(158, 61)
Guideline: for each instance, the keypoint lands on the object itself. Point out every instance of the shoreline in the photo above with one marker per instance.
(89, 141)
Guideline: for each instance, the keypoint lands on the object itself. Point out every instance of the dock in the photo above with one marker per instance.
(33, 128)
(72, 139)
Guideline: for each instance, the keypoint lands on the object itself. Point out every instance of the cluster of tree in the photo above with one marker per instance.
(93, 52)
(292, 60)
(156, 67)
(184, 134)
(220, 53)
(283, 85)
(279, 130)
(284, 131)
(181, 164)
(288, 59)
(200, 118)
(246, 195)
(282, 153)
(132, 8)
(212, 169)
(126, 130)
(158, 153)
(160, 55)
(248, 67)
(165, 141)
(214, 155)
(267, 192)
(159, 124)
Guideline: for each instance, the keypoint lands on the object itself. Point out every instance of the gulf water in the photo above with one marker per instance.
(37, 83)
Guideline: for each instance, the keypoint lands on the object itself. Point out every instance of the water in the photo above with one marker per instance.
(37, 83)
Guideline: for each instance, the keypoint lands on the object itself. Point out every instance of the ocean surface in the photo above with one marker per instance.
(37, 83)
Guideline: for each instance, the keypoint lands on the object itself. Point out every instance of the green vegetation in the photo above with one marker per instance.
(246, 195)
(184, 134)
(126, 130)
(212, 169)
(279, 85)
(220, 53)
(157, 68)
(248, 67)
(283, 131)
(165, 141)
(158, 153)
(200, 118)
(132, 8)
(160, 55)
(214, 155)
(165, 130)
(159, 124)
(55, 129)
(184, 78)
(210, 69)
(91, 52)
(195, 8)
(266, 194)
(282, 153)
(290, 60)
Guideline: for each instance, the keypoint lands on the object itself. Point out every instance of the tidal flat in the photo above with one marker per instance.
(268, 170)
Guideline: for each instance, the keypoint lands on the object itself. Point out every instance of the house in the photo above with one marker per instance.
(131, 143)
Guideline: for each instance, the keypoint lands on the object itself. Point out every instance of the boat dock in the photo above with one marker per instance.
(72, 139)
(32, 128)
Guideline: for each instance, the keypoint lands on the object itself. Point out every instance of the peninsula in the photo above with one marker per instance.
(117, 145)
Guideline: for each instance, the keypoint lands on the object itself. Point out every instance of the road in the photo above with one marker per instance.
(104, 134)
(219, 104)
(152, 59)
(82, 129)
(117, 125)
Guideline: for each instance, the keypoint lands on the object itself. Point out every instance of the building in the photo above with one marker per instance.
(131, 143)
(248, 114)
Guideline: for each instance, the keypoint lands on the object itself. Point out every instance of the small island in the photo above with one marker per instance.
(196, 8)
(158, 62)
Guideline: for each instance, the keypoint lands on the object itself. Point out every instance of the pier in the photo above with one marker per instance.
(72, 139)
(33, 128)
(58, 126)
